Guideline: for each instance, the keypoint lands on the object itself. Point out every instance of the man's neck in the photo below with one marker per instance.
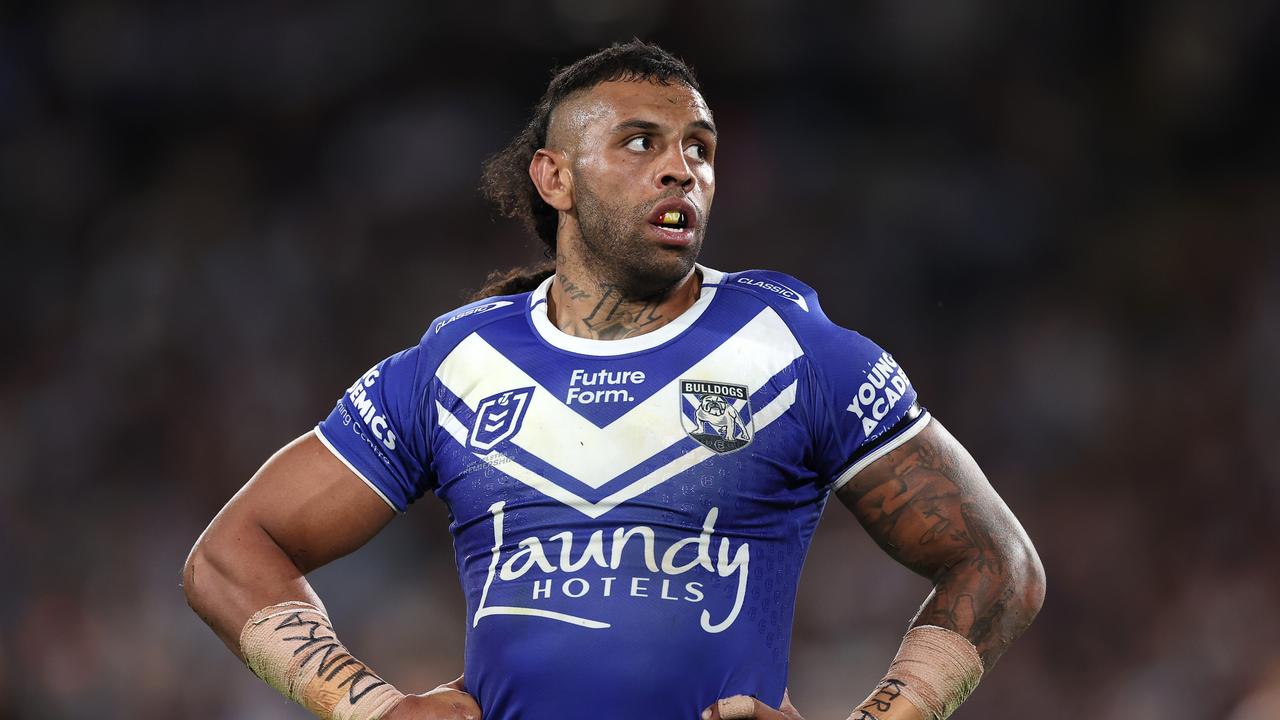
(588, 307)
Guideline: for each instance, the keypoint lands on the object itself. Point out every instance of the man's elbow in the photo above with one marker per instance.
(1027, 580)
(189, 586)
(203, 573)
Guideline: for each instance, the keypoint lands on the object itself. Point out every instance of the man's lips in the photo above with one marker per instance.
(672, 237)
(688, 214)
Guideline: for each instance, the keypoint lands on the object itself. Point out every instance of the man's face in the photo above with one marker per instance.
(643, 180)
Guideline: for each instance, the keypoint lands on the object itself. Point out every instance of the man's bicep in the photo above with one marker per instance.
(929, 506)
(312, 504)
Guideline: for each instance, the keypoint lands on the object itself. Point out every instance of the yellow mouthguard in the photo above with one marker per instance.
(671, 217)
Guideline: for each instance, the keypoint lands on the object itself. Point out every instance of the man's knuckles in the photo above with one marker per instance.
(743, 707)
(442, 703)
(737, 707)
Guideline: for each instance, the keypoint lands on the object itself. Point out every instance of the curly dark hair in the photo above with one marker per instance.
(505, 179)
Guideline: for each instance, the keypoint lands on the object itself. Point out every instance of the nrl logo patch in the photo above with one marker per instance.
(716, 414)
(498, 417)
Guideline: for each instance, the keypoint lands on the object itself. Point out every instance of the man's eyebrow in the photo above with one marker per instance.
(649, 126)
(637, 124)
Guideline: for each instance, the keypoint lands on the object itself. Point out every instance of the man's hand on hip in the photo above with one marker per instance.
(742, 707)
(447, 702)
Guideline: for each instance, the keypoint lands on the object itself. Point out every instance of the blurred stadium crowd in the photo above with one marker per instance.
(1062, 218)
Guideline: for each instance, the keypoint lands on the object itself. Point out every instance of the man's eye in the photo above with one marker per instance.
(696, 150)
(639, 143)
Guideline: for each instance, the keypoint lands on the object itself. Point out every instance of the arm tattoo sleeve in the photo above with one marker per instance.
(928, 505)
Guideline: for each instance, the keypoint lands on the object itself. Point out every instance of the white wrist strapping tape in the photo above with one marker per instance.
(737, 707)
(935, 669)
(293, 648)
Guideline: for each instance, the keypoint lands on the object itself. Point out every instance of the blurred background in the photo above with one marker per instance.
(1062, 218)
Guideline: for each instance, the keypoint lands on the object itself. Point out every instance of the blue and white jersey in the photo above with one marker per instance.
(629, 517)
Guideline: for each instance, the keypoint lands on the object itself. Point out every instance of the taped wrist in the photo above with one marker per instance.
(293, 648)
(935, 670)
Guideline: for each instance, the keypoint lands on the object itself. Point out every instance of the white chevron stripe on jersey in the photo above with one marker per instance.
(502, 463)
(451, 424)
(561, 437)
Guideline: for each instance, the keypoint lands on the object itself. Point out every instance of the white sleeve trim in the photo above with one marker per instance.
(881, 451)
(325, 441)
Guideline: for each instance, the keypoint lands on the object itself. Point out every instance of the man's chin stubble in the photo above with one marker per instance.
(653, 273)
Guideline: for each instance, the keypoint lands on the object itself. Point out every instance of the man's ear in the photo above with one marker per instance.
(549, 170)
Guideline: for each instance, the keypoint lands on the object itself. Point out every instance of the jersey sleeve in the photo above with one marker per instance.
(870, 406)
(377, 429)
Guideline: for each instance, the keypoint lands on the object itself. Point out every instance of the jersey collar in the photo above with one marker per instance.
(555, 337)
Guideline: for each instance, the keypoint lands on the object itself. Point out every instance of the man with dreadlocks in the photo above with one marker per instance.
(634, 450)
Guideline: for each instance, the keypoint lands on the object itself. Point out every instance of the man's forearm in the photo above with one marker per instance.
(236, 569)
(292, 646)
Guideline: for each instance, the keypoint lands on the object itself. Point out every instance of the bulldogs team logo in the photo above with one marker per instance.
(716, 414)
(498, 417)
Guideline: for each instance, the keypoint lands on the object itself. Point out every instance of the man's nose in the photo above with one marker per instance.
(675, 170)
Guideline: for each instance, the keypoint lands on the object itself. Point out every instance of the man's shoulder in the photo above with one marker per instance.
(779, 290)
(796, 303)
(456, 325)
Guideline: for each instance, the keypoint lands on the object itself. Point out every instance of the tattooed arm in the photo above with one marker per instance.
(928, 505)
(303, 509)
